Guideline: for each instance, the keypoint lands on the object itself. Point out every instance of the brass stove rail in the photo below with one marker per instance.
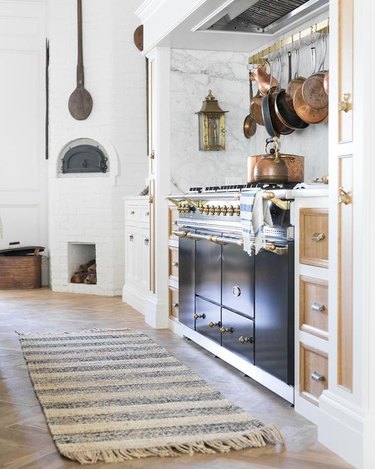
(271, 247)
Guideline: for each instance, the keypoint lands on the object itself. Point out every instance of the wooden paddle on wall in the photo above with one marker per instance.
(80, 101)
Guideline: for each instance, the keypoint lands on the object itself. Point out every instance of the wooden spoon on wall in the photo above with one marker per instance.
(80, 101)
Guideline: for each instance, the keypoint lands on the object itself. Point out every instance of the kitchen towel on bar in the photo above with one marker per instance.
(255, 213)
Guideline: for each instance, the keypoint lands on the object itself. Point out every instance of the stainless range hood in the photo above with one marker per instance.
(261, 16)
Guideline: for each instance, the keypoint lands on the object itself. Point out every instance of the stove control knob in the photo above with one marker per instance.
(237, 210)
(230, 210)
(224, 210)
(212, 210)
(217, 210)
(206, 209)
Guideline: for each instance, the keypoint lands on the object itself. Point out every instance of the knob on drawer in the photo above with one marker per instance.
(318, 237)
(199, 316)
(316, 376)
(243, 340)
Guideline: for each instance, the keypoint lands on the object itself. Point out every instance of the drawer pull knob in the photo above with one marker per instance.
(223, 330)
(175, 305)
(344, 197)
(243, 340)
(175, 222)
(318, 308)
(236, 290)
(146, 241)
(200, 316)
(175, 264)
(316, 376)
(147, 214)
(132, 212)
(344, 104)
(214, 324)
(131, 237)
(318, 237)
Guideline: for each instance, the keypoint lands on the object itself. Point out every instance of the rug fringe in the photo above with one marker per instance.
(252, 439)
(93, 329)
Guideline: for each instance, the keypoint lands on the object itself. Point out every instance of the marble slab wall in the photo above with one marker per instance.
(193, 73)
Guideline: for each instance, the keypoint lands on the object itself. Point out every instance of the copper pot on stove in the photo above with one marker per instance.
(270, 167)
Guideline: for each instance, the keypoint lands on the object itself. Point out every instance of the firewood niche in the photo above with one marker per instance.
(86, 273)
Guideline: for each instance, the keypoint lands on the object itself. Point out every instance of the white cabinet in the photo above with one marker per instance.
(137, 252)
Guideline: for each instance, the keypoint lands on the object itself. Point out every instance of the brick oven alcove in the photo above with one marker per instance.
(79, 255)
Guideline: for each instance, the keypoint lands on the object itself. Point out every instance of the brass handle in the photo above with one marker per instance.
(318, 237)
(200, 316)
(152, 155)
(243, 340)
(317, 307)
(175, 264)
(223, 330)
(180, 234)
(344, 104)
(214, 324)
(283, 204)
(131, 237)
(344, 197)
(175, 305)
(316, 376)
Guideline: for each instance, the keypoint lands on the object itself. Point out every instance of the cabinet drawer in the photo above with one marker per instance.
(144, 214)
(208, 319)
(237, 334)
(314, 237)
(313, 306)
(173, 262)
(173, 302)
(132, 213)
(313, 373)
(173, 218)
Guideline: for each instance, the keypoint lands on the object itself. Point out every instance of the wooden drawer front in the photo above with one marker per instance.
(173, 217)
(173, 262)
(173, 302)
(313, 373)
(314, 237)
(313, 306)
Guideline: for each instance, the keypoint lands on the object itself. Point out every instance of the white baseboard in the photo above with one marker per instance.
(341, 429)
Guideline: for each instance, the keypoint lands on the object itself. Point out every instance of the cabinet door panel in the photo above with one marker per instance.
(208, 322)
(131, 249)
(238, 334)
(186, 282)
(208, 270)
(274, 313)
(238, 280)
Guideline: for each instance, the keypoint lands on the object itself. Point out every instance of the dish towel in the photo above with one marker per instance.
(255, 214)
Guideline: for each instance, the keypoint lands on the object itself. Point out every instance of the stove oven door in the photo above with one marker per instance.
(208, 268)
(274, 313)
(238, 280)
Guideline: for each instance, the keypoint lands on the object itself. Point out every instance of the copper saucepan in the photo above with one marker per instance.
(264, 79)
(313, 91)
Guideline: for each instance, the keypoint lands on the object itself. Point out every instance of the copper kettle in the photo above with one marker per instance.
(270, 167)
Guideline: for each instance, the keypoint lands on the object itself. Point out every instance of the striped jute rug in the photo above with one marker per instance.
(114, 395)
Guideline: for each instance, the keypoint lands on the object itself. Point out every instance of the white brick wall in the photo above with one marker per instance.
(90, 209)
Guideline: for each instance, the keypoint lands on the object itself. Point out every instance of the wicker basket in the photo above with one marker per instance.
(20, 271)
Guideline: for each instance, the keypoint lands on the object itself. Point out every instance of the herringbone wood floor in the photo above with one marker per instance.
(24, 438)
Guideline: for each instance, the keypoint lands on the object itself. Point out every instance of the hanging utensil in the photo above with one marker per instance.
(249, 123)
(313, 89)
(284, 105)
(264, 79)
(80, 101)
(298, 80)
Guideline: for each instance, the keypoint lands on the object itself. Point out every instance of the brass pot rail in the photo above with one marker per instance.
(261, 57)
(271, 247)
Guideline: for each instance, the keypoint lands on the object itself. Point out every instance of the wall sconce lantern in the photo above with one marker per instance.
(211, 121)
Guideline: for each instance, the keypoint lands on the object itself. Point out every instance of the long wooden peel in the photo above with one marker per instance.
(80, 101)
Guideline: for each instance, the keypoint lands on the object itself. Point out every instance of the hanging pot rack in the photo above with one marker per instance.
(261, 56)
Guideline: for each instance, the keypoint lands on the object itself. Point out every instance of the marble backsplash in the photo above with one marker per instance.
(193, 73)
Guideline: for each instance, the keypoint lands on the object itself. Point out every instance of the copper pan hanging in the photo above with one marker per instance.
(313, 91)
(264, 79)
(249, 123)
(284, 105)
